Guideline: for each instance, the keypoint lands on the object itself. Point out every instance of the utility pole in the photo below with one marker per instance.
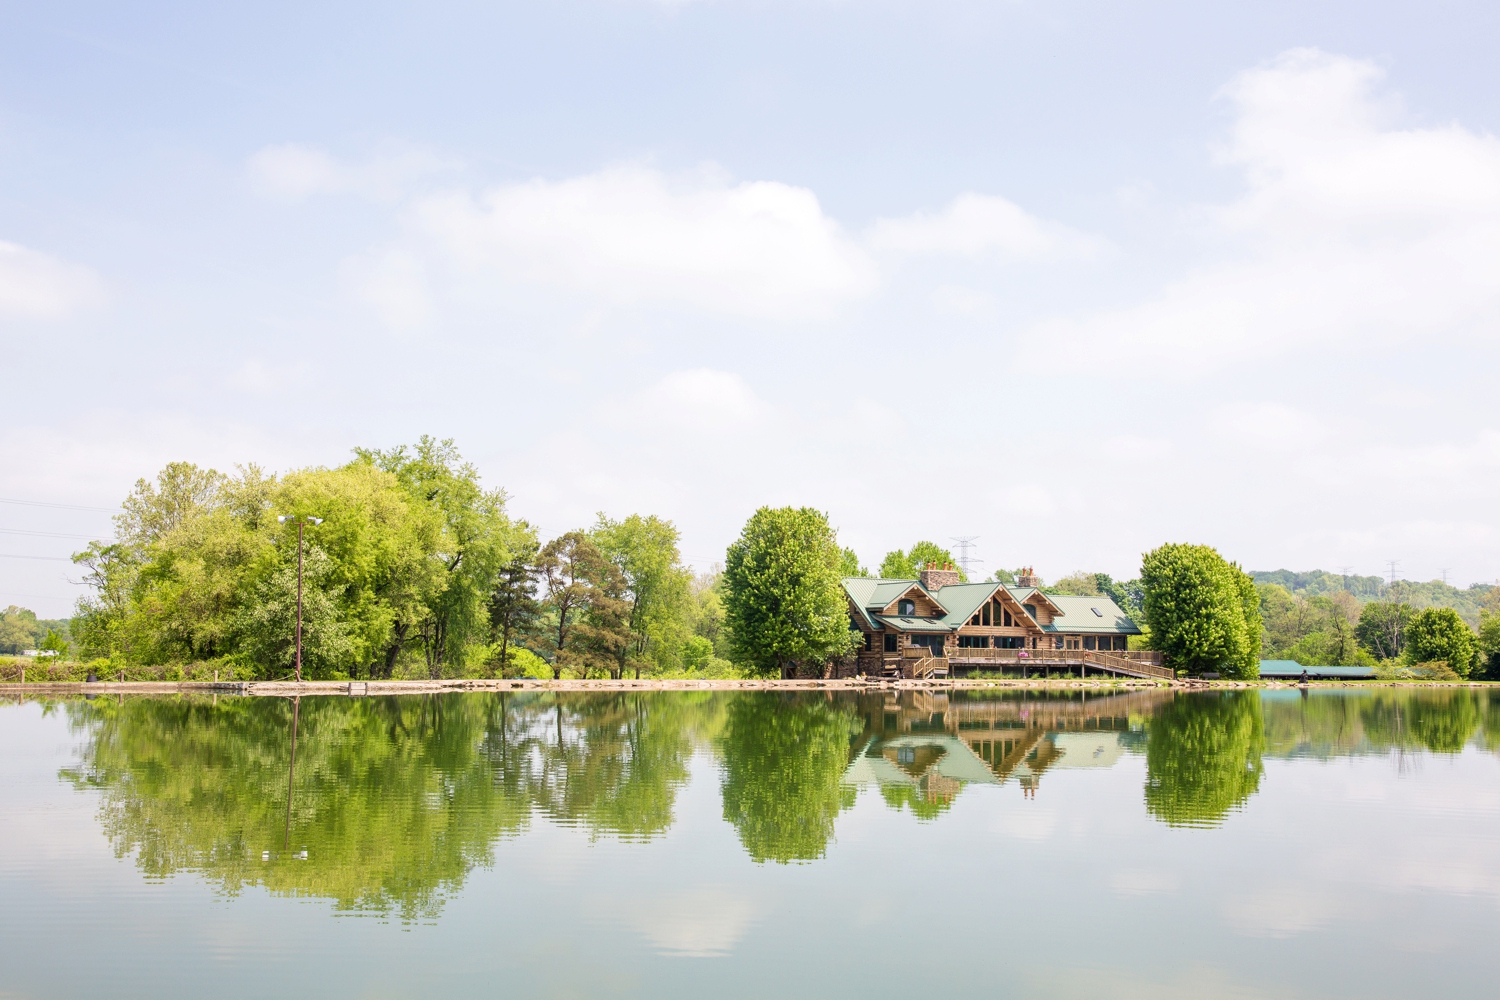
(965, 543)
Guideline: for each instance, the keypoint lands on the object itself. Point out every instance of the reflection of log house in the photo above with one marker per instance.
(936, 744)
(938, 626)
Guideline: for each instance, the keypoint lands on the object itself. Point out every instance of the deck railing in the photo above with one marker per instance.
(1141, 662)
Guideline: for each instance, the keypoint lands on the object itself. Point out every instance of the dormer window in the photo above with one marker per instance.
(906, 608)
(1031, 610)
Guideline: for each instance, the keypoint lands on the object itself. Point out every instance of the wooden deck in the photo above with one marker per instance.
(1029, 661)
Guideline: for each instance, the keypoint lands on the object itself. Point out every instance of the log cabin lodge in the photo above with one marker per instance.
(939, 626)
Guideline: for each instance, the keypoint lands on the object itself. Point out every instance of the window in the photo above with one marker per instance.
(890, 642)
(974, 620)
(906, 608)
(1097, 612)
(1007, 619)
(1031, 610)
(869, 641)
(1088, 642)
(985, 614)
(1059, 643)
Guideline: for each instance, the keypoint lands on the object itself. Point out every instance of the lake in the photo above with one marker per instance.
(1333, 843)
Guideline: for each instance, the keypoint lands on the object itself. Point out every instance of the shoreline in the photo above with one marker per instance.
(288, 689)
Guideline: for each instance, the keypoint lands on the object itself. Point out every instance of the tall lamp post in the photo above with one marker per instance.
(284, 518)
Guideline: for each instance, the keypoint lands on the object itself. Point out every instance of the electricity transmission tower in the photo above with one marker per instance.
(965, 559)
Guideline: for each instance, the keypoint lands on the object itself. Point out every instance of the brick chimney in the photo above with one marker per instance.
(935, 579)
(1028, 578)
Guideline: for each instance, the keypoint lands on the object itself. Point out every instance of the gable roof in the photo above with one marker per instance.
(876, 594)
(1078, 615)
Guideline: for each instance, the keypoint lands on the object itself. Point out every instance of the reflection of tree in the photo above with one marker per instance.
(784, 760)
(394, 799)
(610, 762)
(925, 804)
(1203, 757)
(390, 797)
(1443, 721)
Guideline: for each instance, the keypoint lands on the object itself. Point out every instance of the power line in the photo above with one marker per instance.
(47, 534)
(965, 543)
(61, 506)
(12, 555)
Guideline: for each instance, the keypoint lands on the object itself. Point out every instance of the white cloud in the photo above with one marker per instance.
(973, 225)
(1350, 231)
(292, 172)
(706, 922)
(393, 282)
(630, 234)
(38, 286)
(701, 402)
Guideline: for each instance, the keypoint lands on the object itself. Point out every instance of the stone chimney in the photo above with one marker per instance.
(935, 579)
(1028, 578)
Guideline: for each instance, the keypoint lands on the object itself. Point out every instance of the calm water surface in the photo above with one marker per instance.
(1250, 844)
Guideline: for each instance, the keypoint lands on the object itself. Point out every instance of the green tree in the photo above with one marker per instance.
(784, 600)
(908, 565)
(849, 564)
(1489, 643)
(1440, 634)
(1382, 628)
(1203, 757)
(514, 610)
(784, 762)
(644, 549)
(587, 617)
(476, 545)
(267, 624)
(19, 630)
(1202, 612)
(55, 644)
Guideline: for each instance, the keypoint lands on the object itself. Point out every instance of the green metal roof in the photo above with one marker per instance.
(1078, 616)
(872, 595)
(962, 600)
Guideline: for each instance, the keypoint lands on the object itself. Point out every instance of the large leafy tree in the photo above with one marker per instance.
(478, 539)
(1440, 634)
(784, 601)
(1202, 611)
(656, 591)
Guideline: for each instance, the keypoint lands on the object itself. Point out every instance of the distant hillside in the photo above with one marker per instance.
(1432, 594)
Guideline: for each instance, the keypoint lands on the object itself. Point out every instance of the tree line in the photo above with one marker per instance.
(414, 570)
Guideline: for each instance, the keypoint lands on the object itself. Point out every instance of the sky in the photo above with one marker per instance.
(1075, 278)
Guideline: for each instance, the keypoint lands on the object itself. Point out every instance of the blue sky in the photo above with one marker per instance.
(1076, 278)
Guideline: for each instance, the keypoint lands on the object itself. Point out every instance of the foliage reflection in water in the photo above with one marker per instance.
(392, 802)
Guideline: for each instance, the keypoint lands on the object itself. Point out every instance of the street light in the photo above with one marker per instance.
(284, 518)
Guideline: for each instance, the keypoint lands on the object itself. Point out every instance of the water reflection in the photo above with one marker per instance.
(1203, 757)
(385, 805)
